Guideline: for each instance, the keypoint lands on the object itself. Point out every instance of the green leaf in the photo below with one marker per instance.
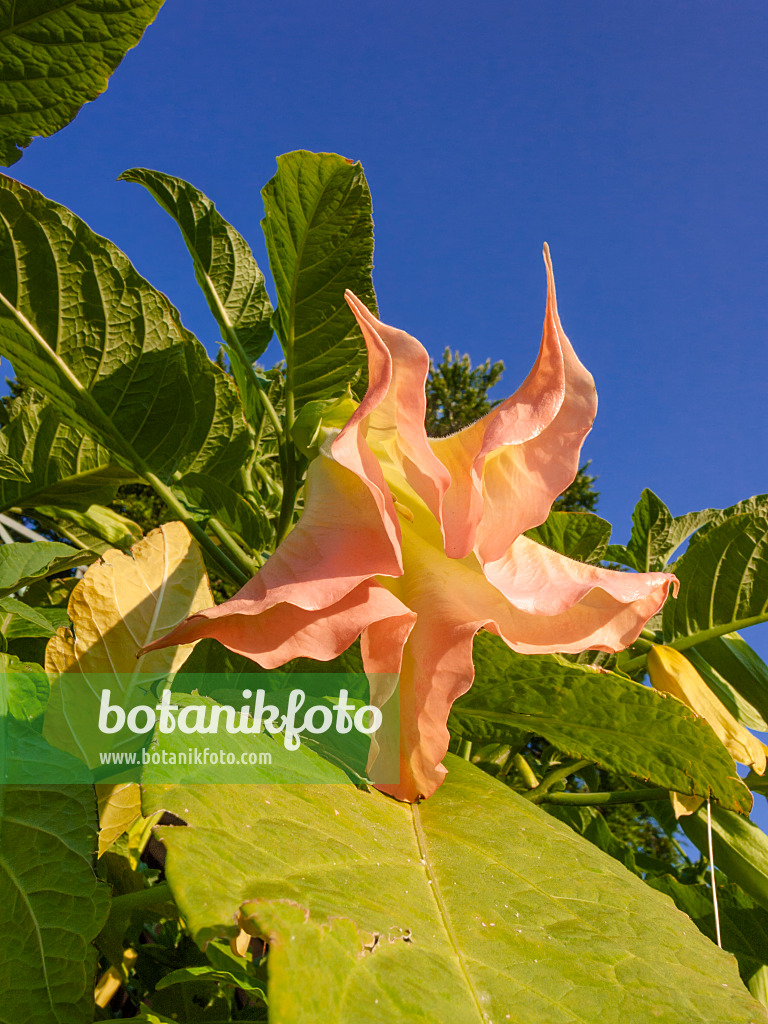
(579, 535)
(470, 907)
(22, 564)
(319, 235)
(148, 392)
(204, 497)
(202, 973)
(591, 824)
(224, 265)
(11, 470)
(712, 517)
(62, 466)
(646, 549)
(51, 904)
(26, 687)
(740, 848)
(58, 56)
(625, 727)
(18, 619)
(723, 582)
(97, 528)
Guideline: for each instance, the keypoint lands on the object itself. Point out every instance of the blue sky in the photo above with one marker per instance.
(631, 137)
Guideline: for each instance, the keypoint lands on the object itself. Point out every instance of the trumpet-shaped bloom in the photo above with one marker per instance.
(414, 544)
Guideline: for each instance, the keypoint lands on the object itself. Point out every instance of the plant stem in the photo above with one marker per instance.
(220, 558)
(527, 773)
(682, 643)
(289, 469)
(239, 557)
(626, 796)
(555, 776)
(465, 750)
(272, 485)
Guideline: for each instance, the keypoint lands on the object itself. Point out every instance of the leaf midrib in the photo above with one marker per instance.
(442, 910)
(22, 892)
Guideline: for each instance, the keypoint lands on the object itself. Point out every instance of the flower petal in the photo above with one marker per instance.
(527, 448)
(546, 604)
(386, 436)
(340, 541)
(284, 631)
(539, 581)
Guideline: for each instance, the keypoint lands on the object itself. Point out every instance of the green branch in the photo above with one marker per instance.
(626, 796)
(682, 643)
(556, 775)
(238, 573)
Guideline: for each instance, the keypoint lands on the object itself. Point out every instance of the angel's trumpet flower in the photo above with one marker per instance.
(415, 544)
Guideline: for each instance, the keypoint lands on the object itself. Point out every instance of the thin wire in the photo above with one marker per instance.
(712, 872)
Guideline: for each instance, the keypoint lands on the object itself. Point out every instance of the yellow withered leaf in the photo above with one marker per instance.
(123, 602)
(683, 804)
(671, 672)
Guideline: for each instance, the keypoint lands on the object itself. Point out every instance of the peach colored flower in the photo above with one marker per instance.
(414, 544)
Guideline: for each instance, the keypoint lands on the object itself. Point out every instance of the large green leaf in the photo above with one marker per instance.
(22, 564)
(602, 716)
(62, 465)
(656, 535)
(56, 56)
(51, 904)
(711, 517)
(473, 906)
(96, 527)
(319, 236)
(723, 582)
(10, 469)
(80, 325)
(224, 265)
(578, 535)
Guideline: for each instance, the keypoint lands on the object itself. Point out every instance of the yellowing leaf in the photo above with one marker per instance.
(123, 602)
(119, 807)
(671, 672)
(683, 805)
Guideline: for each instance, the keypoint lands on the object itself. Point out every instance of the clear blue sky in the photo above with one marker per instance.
(630, 136)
